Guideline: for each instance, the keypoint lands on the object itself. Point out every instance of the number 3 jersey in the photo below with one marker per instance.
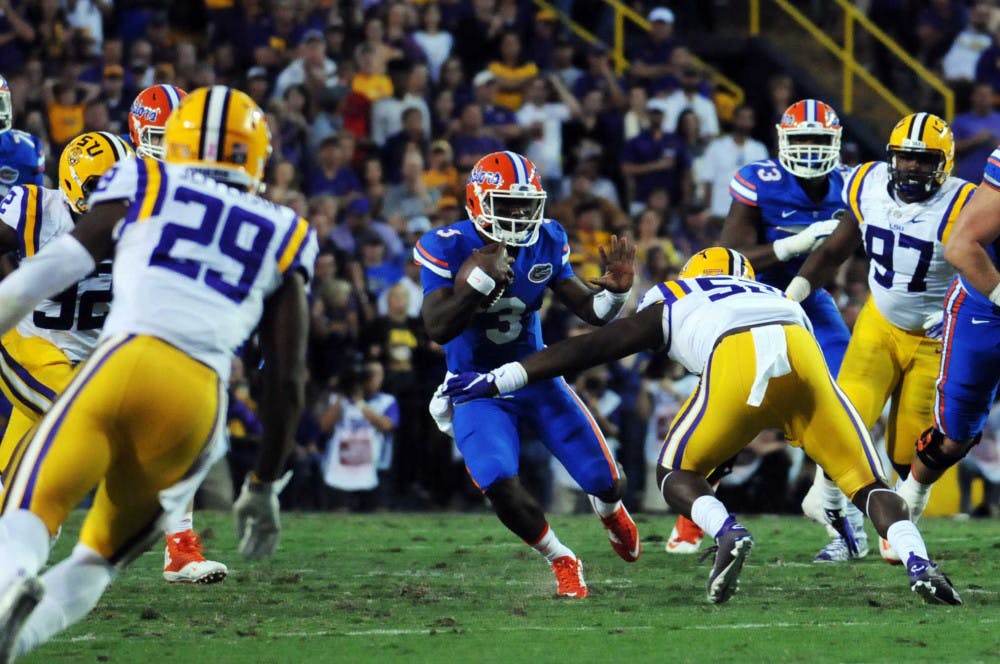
(72, 320)
(699, 311)
(195, 259)
(511, 328)
(907, 275)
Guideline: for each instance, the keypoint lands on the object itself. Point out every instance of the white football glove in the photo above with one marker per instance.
(442, 411)
(934, 325)
(258, 520)
(805, 240)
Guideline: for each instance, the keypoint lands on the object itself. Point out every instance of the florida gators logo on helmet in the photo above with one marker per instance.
(809, 139)
(148, 116)
(505, 199)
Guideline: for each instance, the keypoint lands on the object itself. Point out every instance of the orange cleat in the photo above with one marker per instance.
(623, 534)
(569, 577)
(183, 562)
(685, 537)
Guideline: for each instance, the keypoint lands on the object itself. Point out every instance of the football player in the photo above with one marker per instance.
(22, 156)
(969, 371)
(760, 368)
(782, 210)
(902, 212)
(484, 279)
(199, 261)
(183, 557)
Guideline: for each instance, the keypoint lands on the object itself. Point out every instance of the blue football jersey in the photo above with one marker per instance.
(783, 205)
(991, 178)
(22, 160)
(511, 328)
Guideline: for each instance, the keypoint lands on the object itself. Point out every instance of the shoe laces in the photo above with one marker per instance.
(567, 570)
(187, 543)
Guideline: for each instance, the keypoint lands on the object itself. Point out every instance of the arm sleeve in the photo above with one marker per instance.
(743, 186)
(435, 262)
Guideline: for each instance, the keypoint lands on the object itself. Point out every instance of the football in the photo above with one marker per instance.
(487, 258)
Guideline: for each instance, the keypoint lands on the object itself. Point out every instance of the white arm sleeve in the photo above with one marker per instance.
(59, 265)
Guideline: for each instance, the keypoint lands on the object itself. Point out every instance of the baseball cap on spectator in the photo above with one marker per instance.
(661, 14)
(483, 77)
(358, 206)
(257, 72)
(420, 224)
(442, 146)
(311, 35)
(113, 71)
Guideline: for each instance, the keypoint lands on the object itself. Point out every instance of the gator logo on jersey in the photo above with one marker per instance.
(8, 175)
(540, 273)
(492, 178)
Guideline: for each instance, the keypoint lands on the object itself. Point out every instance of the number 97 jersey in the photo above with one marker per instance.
(907, 275)
(195, 259)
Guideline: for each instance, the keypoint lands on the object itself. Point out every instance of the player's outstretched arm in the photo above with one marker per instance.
(614, 341)
(60, 264)
(821, 265)
(600, 306)
(977, 227)
(284, 333)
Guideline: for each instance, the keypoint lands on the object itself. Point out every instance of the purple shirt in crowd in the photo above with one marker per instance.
(970, 165)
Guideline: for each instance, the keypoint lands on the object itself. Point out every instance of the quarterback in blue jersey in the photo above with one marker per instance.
(781, 210)
(970, 356)
(22, 159)
(484, 280)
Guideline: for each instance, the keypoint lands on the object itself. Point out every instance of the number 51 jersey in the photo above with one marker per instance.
(72, 320)
(908, 275)
(195, 259)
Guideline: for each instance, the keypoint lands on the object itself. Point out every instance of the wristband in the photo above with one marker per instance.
(798, 288)
(608, 304)
(995, 295)
(510, 377)
(480, 281)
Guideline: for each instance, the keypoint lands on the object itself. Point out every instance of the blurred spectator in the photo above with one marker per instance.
(543, 118)
(435, 43)
(652, 158)
(140, 63)
(117, 98)
(588, 178)
(563, 63)
(470, 141)
(959, 63)
(410, 198)
(650, 234)
(636, 118)
(332, 173)
(600, 75)
(159, 37)
(373, 176)
(596, 126)
(87, 17)
(976, 134)
(411, 136)
(293, 128)
(689, 131)
(310, 66)
(477, 34)
(380, 271)
(409, 83)
(370, 80)
(650, 61)
(334, 328)
(780, 90)
(51, 32)
(328, 118)
(513, 72)
(65, 103)
(689, 97)
(697, 231)
(453, 80)
(95, 116)
(356, 226)
(541, 43)
(410, 281)
(399, 18)
(727, 154)
(258, 85)
(937, 26)
(498, 121)
(441, 173)
(15, 34)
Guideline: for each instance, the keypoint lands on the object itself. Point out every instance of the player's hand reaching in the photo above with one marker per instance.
(258, 523)
(619, 266)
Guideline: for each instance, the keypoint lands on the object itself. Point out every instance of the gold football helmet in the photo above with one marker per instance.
(221, 132)
(718, 261)
(926, 138)
(84, 160)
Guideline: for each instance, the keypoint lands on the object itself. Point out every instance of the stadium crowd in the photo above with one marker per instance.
(378, 109)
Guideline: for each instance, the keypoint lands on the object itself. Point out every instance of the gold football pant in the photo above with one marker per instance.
(716, 422)
(137, 418)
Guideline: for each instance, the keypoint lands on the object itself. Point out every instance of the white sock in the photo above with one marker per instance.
(602, 508)
(710, 514)
(905, 539)
(185, 523)
(915, 494)
(833, 497)
(72, 589)
(24, 545)
(857, 520)
(550, 546)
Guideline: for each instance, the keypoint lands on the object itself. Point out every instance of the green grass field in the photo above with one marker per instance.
(458, 587)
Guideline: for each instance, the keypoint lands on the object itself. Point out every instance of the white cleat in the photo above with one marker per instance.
(21, 598)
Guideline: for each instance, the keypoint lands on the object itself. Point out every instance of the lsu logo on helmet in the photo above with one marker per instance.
(505, 199)
(718, 261)
(926, 140)
(809, 139)
(148, 116)
(84, 160)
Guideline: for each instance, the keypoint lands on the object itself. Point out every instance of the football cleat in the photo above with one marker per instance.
(685, 537)
(927, 581)
(812, 507)
(184, 563)
(846, 545)
(623, 534)
(888, 554)
(732, 546)
(569, 577)
(16, 604)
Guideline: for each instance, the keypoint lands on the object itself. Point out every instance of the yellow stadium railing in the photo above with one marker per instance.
(621, 14)
(851, 68)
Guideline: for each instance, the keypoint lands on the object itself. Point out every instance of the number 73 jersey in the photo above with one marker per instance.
(908, 275)
(195, 259)
(71, 320)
